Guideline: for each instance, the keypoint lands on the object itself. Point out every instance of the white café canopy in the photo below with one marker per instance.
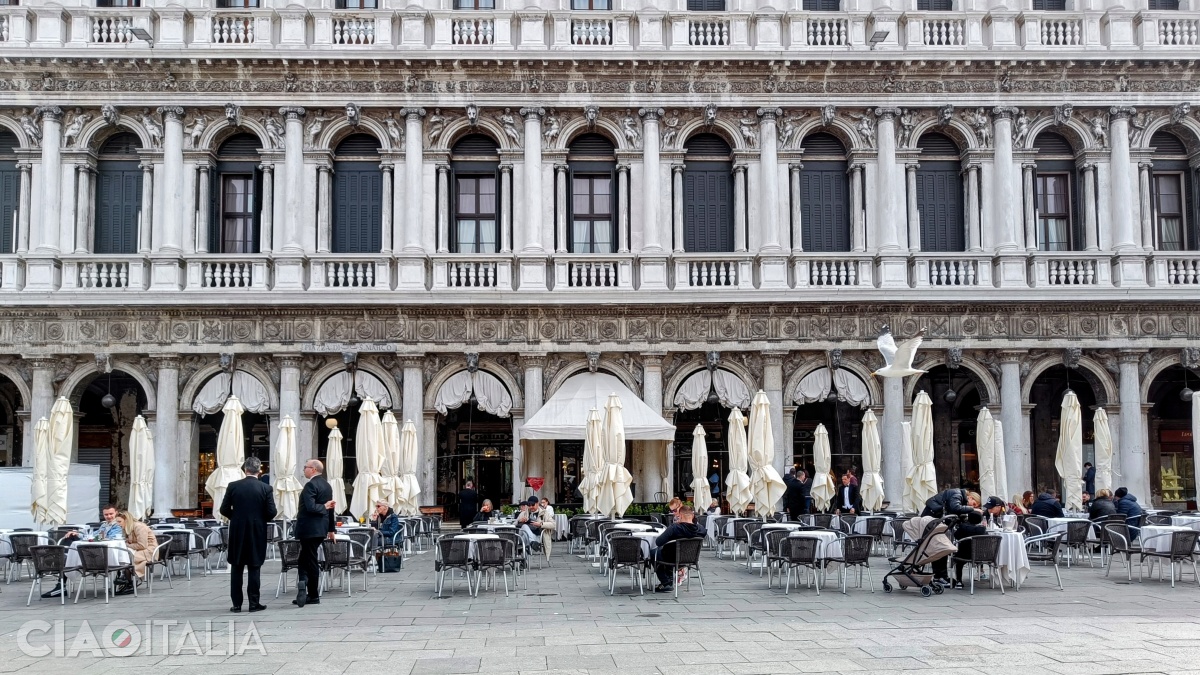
(564, 416)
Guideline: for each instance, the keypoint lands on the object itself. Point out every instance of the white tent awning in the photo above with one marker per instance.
(565, 415)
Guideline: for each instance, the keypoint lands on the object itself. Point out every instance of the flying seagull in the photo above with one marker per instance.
(899, 359)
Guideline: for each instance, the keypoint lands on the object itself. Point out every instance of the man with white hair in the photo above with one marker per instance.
(314, 522)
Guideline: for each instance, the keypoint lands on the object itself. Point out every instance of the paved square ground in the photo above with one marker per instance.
(566, 623)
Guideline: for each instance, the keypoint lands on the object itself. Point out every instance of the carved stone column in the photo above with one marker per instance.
(385, 169)
(203, 199)
(51, 179)
(1005, 220)
(1017, 460)
(651, 237)
(677, 206)
(325, 211)
(914, 214)
(413, 161)
(293, 147)
(1147, 206)
(169, 464)
(1135, 463)
(535, 365)
(23, 207)
(506, 208)
(739, 208)
(83, 189)
(623, 208)
(412, 404)
(561, 195)
(1089, 207)
(773, 386)
(891, 435)
(533, 183)
(171, 229)
(146, 216)
(858, 224)
(768, 161)
(1120, 195)
(443, 196)
(656, 452)
(974, 234)
(1031, 242)
(890, 190)
(266, 219)
(794, 170)
(41, 401)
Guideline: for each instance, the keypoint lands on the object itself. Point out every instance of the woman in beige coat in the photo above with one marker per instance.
(140, 539)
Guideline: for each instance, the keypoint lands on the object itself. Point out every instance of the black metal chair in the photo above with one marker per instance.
(823, 520)
(897, 532)
(452, 554)
(161, 558)
(1078, 540)
(721, 525)
(1044, 549)
(49, 561)
(1035, 525)
(873, 527)
(289, 559)
(985, 551)
(802, 552)
(856, 552)
(338, 555)
(207, 538)
(775, 541)
(58, 534)
(94, 563)
(1121, 543)
(1182, 549)
(682, 554)
(181, 548)
(491, 556)
(754, 544)
(576, 532)
(520, 555)
(625, 553)
(1158, 519)
(21, 543)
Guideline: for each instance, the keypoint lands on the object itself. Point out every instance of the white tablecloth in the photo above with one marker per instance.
(1013, 556)
(43, 537)
(561, 525)
(830, 546)
(1190, 522)
(1159, 544)
(732, 525)
(860, 523)
(782, 526)
(647, 541)
(634, 527)
(473, 550)
(1060, 524)
(118, 553)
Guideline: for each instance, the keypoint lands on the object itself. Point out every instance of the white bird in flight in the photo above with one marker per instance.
(898, 359)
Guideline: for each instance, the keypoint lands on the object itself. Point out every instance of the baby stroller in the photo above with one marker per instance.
(932, 542)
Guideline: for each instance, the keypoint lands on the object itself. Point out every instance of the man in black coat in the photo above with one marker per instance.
(468, 504)
(795, 498)
(314, 523)
(846, 499)
(249, 506)
(952, 502)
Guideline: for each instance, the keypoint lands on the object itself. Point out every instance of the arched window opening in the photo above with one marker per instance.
(1059, 225)
(824, 189)
(235, 209)
(591, 159)
(475, 161)
(707, 195)
(1171, 185)
(939, 194)
(118, 195)
(357, 196)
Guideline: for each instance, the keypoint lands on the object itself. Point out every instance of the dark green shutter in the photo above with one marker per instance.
(939, 199)
(822, 5)
(824, 209)
(118, 200)
(10, 190)
(706, 5)
(935, 5)
(707, 211)
(358, 210)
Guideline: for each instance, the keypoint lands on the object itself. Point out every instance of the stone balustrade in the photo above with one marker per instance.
(250, 30)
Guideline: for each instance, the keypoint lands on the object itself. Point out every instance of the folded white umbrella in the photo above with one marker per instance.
(287, 487)
(766, 486)
(390, 469)
(1068, 460)
(62, 436)
(334, 472)
(231, 452)
(41, 467)
(822, 491)
(1104, 445)
(871, 488)
(700, 493)
(906, 465)
(1001, 468)
(1195, 442)
(368, 456)
(985, 452)
(923, 477)
(593, 460)
(737, 482)
(410, 488)
(141, 469)
(615, 493)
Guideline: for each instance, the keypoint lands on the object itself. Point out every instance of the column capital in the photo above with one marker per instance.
(24, 167)
(795, 166)
(769, 114)
(167, 361)
(739, 168)
(51, 112)
(887, 113)
(534, 360)
(505, 167)
(289, 360)
(651, 114)
(677, 167)
(558, 166)
(1130, 355)
(171, 112)
(386, 167)
(42, 362)
(1011, 355)
(1029, 166)
(1120, 112)
(857, 167)
(412, 361)
(1088, 166)
(533, 113)
(1005, 112)
(774, 357)
(292, 113)
(623, 168)
(146, 166)
(265, 167)
(1145, 165)
(653, 359)
(912, 165)
(412, 113)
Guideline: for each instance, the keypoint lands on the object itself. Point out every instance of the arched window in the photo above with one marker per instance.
(592, 161)
(236, 208)
(357, 196)
(824, 205)
(1174, 225)
(939, 195)
(475, 160)
(1059, 225)
(10, 190)
(118, 195)
(707, 195)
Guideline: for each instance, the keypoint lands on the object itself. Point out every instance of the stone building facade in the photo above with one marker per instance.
(297, 191)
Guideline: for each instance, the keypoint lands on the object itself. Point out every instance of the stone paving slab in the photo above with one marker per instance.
(567, 623)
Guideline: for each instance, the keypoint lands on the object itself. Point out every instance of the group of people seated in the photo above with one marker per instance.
(139, 539)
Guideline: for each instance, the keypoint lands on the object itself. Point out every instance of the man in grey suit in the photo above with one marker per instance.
(314, 522)
(249, 506)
